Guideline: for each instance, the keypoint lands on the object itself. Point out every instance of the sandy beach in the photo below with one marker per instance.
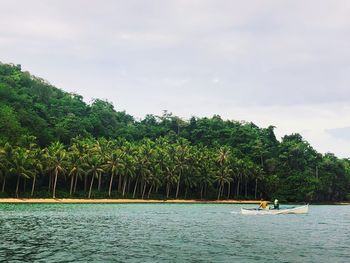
(115, 201)
(134, 201)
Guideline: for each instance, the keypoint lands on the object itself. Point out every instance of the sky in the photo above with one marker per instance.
(282, 63)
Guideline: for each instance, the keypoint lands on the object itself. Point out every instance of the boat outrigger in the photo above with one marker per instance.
(292, 210)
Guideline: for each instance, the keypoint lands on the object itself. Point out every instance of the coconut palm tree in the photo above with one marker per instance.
(153, 179)
(181, 161)
(146, 171)
(192, 175)
(114, 164)
(238, 171)
(6, 158)
(258, 175)
(21, 166)
(94, 163)
(101, 147)
(142, 166)
(205, 158)
(164, 157)
(222, 178)
(56, 162)
(76, 168)
(223, 169)
(37, 164)
(128, 170)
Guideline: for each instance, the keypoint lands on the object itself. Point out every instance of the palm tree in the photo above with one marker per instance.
(101, 147)
(223, 169)
(170, 178)
(20, 166)
(38, 167)
(251, 171)
(75, 168)
(181, 159)
(146, 167)
(128, 171)
(258, 174)
(222, 178)
(153, 178)
(192, 175)
(142, 166)
(239, 170)
(205, 158)
(114, 164)
(56, 157)
(94, 168)
(6, 158)
(164, 155)
(81, 147)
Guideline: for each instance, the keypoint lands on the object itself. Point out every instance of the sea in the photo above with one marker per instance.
(170, 233)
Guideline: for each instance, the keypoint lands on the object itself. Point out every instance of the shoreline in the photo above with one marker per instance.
(135, 201)
(118, 201)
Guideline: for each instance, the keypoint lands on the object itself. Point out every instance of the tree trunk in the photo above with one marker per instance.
(128, 187)
(178, 186)
(228, 190)
(75, 184)
(137, 181)
(50, 179)
(186, 192)
(124, 186)
(246, 188)
(237, 190)
(54, 185)
(3, 184)
(149, 192)
(33, 186)
(167, 190)
(144, 189)
(17, 185)
(120, 183)
(142, 183)
(24, 185)
(110, 185)
(256, 188)
(99, 182)
(71, 185)
(201, 192)
(92, 182)
(85, 183)
(219, 191)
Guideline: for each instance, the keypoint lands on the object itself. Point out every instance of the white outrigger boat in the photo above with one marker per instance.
(292, 210)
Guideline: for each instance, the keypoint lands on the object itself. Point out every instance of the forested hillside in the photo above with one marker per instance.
(53, 143)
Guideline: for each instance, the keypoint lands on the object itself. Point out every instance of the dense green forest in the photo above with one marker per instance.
(52, 143)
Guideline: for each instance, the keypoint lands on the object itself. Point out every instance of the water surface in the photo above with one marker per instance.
(170, 233)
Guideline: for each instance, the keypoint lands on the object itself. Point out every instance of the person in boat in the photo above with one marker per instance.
(276, 204)
(264, 205)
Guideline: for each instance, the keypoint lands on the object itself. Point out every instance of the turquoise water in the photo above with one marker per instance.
(170, 233)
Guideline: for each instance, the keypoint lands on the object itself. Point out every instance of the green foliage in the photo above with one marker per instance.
(52, 139)
(10, 127)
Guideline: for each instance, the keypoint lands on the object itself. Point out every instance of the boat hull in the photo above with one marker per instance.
(295, 210)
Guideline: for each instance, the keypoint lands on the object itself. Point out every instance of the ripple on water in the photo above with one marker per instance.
(170, 233)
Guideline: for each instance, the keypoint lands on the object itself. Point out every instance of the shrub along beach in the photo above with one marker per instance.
(53, 144)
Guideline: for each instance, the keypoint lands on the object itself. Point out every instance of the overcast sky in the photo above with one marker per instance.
(281, 63)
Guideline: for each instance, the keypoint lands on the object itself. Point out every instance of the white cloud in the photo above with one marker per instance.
(272, 62)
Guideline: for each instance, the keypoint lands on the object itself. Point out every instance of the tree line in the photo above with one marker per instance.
(52, 140)
(166, 169)
(170, 169)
